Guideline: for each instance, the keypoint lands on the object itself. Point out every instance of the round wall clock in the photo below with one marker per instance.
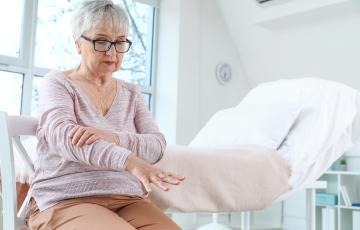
(224, 73)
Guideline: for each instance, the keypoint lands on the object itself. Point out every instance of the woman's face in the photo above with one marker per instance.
(101, 63)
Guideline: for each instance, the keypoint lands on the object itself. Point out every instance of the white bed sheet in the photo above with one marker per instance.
(301, 179)
(326, 127)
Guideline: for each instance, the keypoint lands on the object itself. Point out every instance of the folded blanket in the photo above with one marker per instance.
(225, 179)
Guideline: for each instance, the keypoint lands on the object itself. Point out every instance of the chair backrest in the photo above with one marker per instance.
(10, 128)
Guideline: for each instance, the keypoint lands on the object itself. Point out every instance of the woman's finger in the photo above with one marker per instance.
(146, 184)
(164, 177)
(157, 181)
(77, 135)
(178, 177)
(86, 135)
(73, 131)
(92, 138)
(171, 180)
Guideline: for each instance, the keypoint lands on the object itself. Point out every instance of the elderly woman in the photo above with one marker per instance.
(97, 140)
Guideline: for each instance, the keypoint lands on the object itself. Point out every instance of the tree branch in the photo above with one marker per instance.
(135, 26)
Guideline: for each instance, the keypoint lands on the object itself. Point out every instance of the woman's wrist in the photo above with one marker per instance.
(116, 138)
(127, 164)
(122, 139)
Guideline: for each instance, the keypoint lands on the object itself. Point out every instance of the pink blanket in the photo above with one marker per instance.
(227, 179)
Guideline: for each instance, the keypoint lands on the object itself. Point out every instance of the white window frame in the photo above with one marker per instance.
(25, 63)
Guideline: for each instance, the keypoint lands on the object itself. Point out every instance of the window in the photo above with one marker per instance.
(10, 44)
(147, 98)
(40, 40)
(10, 92)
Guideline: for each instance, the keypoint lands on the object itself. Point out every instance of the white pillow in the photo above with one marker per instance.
(263, 117)
(265, 125)
(280, 92)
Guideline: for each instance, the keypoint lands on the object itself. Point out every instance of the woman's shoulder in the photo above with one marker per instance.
(55, 80)
(54, 75)
(129, 86)
(129, 90)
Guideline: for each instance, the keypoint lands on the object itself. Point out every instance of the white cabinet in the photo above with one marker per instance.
(344, 213)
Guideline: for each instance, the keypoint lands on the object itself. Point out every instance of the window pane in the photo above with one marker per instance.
(147, 99)
(10, 21)
(133, 67)
(55, 47)
(10, 92)
(35, 95)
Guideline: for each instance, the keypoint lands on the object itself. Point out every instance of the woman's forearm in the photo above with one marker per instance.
(150, 147)
(149, 143)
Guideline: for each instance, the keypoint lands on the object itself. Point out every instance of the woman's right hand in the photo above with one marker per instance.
(146, 173)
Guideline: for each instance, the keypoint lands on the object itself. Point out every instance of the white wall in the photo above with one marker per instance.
(192, 40)
(327, 48)
(216, 46)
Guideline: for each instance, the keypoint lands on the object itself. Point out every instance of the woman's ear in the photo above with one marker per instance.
(78, 46)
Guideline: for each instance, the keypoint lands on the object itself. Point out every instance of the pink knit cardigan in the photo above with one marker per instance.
(63, 170)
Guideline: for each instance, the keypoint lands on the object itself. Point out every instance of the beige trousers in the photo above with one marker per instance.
(104, 212)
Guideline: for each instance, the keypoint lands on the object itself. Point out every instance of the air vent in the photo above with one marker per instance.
(262, 1)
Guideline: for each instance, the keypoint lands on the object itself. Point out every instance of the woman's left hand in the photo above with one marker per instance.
(88, 135)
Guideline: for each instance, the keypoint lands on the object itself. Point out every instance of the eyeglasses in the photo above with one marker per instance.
(104, 45)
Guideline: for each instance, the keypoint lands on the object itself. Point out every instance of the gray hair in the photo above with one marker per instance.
(89, 13)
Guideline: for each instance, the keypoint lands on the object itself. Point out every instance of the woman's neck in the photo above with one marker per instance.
(89, 76)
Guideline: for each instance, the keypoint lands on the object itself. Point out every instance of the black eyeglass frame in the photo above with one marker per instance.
(112, 43)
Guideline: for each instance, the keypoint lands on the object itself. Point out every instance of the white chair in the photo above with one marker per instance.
(10, 128)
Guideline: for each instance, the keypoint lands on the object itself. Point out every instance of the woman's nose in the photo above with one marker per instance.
(111, 51)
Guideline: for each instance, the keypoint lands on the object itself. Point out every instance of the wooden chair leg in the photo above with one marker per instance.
(21, 192)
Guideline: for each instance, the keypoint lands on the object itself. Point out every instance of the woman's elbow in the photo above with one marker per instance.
(163, 145)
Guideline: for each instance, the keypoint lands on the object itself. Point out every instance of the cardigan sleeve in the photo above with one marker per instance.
(57, 117)
(149, 143)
